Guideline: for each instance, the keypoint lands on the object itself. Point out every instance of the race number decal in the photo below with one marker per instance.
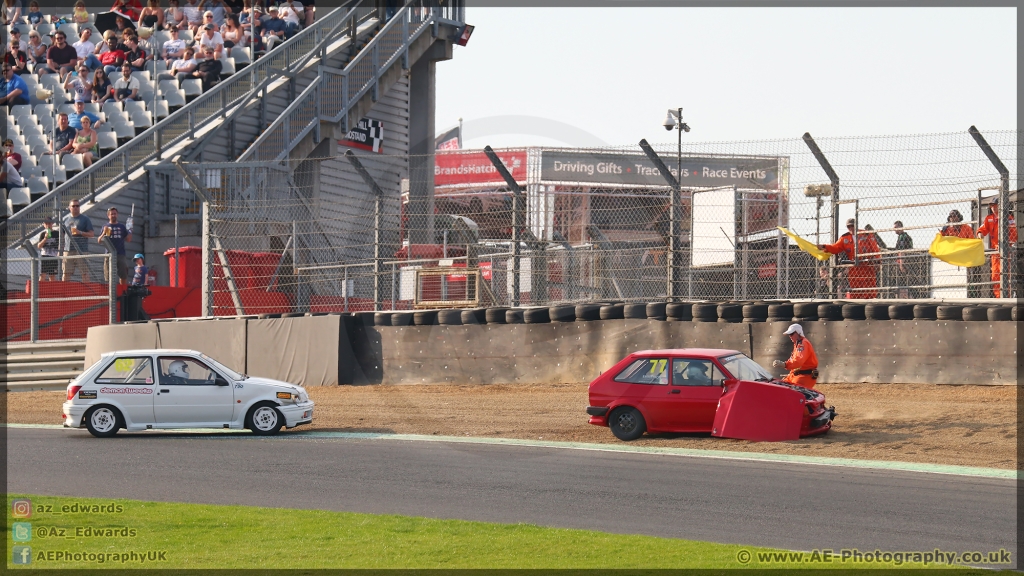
(124, 364)
(658, 366)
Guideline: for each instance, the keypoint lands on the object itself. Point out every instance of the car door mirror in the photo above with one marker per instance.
(221, 381)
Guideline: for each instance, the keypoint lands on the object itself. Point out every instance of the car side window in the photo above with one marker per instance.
(694, 372)
(128, 371)
(645, 371)
(183, 370)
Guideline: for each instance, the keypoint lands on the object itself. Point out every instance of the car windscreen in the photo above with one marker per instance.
(231, 373)
(743, 368)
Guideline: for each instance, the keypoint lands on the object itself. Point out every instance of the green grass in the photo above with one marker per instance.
(207, 536)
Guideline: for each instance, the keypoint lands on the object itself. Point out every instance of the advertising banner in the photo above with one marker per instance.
(636, 169)
(453, 168)
(367, 135)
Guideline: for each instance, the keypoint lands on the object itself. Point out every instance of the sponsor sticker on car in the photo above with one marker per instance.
(126, 390)
(87, 394)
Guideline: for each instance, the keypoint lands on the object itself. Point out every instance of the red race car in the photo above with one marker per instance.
(723, 392)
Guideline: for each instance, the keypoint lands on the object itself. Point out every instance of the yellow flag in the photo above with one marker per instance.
(807, 246)
(965, 252)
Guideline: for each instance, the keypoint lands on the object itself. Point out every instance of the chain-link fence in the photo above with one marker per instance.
(44, 309)
(350, 233)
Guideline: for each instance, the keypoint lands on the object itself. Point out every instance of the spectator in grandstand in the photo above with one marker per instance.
(126, 87)
(122, 27)
(63, 137)
(85, 47)
(955, 229)
(80, 14)
(130, 8)
(217, 10)
(10, 177)
(310, 10)
(80, 84)
(135, 56)
(101, 89)
(15, 37)
(75, 118)
(36, 49)
(210, 38)
(208, 70)
(232, 34)
(14, 88)
(152, 16)
(16, 58)
(174, 15)
(273, 28)
(12, 11)
(35, 16)
(48, 243)
(113, 57)
(80, 228)
(173, 48)
(11, 155)
(293, 14)
(118, 235)
(60, 58)
(87, 143)
(182, 68)
(194, 15)
(141, 271)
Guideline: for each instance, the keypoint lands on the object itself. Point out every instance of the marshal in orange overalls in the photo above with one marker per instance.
(801, 363)
(862, 273)
(990, 228)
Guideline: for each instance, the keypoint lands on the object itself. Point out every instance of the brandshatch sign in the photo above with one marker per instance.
(636, 169)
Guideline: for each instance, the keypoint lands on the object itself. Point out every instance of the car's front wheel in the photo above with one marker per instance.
(627, 423)
(265, 420)
(103, 421)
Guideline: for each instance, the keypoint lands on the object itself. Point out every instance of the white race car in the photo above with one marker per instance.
(159, 389)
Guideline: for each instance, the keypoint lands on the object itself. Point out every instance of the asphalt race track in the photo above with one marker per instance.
(791, 506)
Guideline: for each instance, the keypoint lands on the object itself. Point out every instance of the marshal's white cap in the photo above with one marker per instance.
(795, 328)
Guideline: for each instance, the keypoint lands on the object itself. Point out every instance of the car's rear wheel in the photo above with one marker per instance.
(627, 423)
(264, 420)
(103, 421)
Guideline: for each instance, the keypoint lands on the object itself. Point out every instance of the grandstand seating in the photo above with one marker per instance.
(31, 125)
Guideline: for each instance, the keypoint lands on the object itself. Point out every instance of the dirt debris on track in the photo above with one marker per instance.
(961, 425)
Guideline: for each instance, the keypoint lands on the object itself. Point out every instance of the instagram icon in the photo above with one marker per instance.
(21, 508)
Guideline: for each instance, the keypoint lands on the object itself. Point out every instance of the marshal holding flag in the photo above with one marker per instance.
(806, 246)
(963, 252)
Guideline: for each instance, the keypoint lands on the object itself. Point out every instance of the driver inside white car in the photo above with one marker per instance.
(177, 373)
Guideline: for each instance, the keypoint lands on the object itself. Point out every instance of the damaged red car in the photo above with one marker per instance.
(723, 392)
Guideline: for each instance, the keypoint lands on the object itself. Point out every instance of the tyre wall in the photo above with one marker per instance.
(354, 349)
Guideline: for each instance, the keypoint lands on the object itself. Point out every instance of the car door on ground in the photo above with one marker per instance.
(697, 388)
(188, 393)
(128, 381)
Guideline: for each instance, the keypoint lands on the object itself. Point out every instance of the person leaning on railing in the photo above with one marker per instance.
(953, 228)
(80, 227)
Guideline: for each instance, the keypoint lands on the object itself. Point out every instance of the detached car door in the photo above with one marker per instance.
(128, 381)
(191, 392)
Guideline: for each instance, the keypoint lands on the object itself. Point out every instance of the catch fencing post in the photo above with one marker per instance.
(518, 205)
(834, 179)
(378, 197)
(110, 261)
(207, 273)
(1004, 201)
(34, 297)
(672, 261)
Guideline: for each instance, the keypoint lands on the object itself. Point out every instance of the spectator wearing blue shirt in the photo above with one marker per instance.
(75, 118)
(118, 235)
(15, 90)
(273, 28)
(141, 271)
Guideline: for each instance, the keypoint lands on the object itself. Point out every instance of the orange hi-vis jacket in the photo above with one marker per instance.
(990, 228)
(958, 230)
(865, 245)
(803, 359)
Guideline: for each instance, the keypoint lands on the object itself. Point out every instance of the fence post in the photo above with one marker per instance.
(111, 263)
(1004, 211)
(518, 205)
(834, 179)
(34, 303)
(378, 197)
(672, 260)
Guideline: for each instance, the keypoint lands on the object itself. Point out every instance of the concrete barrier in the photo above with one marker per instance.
(347, 350)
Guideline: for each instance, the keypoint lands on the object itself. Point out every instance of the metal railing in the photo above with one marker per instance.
(212, 105)
(331, 96)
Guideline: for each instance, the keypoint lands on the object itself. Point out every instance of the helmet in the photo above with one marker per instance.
(137, 256)
(699, 368)
(178, 368)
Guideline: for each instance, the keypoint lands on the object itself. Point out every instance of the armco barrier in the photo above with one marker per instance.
(346, 349)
